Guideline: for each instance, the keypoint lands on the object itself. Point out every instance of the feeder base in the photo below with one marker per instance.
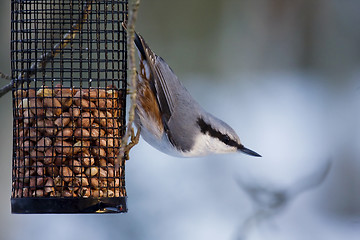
(68, 205)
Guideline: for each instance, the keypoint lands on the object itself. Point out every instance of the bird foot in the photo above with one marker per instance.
(134, 139)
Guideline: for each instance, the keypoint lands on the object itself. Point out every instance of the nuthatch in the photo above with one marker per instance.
(170, 119)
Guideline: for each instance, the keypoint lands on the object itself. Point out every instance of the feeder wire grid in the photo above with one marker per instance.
(68, 61)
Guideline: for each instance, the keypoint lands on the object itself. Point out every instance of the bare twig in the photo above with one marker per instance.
(4, 76)
(125, 146)
(6, 88)
(44, 59)
(269, 201)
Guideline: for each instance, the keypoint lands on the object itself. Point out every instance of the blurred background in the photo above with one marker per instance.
(285, 75)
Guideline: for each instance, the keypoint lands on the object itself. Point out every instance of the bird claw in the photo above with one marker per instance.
(124, 152)
(134, 139)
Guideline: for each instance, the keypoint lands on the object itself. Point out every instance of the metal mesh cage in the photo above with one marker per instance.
(68, 58)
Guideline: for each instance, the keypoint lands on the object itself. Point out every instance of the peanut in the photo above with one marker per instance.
(39, 166)
(43, 143)
(34, 135)
(115, 183)
(74, 112)
(97, 193)
(27, 145)
(111, 170)
(99, 152)
(112, 93)
(91, 171)
(63, 147)
(86, 105)
(49, 113)
(35, 155)
(102, 162)
(49, 155)
(66, 174)
(52, 170)
(67, 143)
(84, 192)
(64, 96)
(80, 145)
(104, 104)
(76, 166)
(81, 133)
(100, 117)
(103, 173)
(117, 193)
(45, 92)
(28, 117)
(94, 182)
(102, 93)
(109, 193)
(24, 103)
(59, 159)
(49, 185)
(85, 120)
(46, 126)
(20, 93)
(65, 133)
(31, 93)
(82, 180)
(36, 107)
(66, 193)
(87, 160)
(53, 104)
(95, 131)
(63, 120)
(38, 193)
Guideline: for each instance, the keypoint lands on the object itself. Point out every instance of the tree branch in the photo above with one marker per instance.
(125, 146)
(5, 89)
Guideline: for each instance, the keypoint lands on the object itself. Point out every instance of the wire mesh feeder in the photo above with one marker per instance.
(69, 63)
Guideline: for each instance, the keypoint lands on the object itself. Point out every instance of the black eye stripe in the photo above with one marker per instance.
(206, 128)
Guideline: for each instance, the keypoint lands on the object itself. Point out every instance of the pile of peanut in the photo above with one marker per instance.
(67, 142)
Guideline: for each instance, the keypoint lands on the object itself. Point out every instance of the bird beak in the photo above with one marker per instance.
(248, 151)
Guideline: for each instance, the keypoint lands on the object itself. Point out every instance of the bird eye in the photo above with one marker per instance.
(226, 139)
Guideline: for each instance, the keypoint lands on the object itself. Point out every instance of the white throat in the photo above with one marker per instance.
(205, 144)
